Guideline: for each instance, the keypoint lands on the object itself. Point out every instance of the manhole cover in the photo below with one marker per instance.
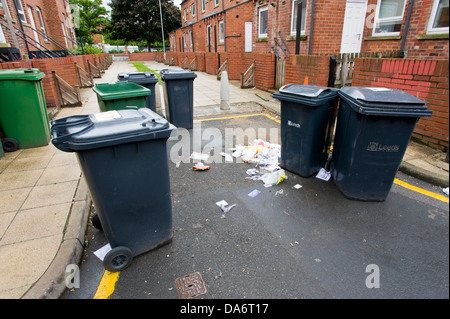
(190, 286)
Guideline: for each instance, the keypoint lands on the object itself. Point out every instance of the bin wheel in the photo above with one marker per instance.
(10, 144)
(117, 259)
(96, 222)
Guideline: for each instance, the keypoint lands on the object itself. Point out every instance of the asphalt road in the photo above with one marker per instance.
(309, 243)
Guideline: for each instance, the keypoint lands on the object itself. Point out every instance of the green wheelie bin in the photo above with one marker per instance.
(23, 112)
(117, 96)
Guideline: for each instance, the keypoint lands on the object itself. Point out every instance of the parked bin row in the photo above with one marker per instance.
(373, 129)
(138, 89)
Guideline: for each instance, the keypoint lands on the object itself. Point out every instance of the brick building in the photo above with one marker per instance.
(47, 24)
(419, 29)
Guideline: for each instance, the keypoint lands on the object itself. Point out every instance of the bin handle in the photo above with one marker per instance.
(60, 140)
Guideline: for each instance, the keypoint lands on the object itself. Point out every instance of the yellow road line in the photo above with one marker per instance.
(240, 116)
(107, 285)
(422, 191)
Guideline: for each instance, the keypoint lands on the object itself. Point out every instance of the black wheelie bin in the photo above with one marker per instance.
(178, 87)
(145, 79)
(307, 119)
(373, 129)
(123, 157)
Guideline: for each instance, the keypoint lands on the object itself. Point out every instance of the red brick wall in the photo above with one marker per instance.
(426, 79)
(146, 56)
(64, 67)
(316, 68)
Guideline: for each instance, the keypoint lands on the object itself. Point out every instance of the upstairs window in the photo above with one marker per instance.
(439, 18)
(203, 5)
(263, 22)
(22, 16)
(294, 17)
(389, 17)
(221, 32)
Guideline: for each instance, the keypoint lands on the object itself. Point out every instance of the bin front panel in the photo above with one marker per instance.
(180, 100)
(367, 152)
(130, 187)
(303, 137)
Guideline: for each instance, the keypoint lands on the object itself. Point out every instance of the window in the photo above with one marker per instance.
(388, 18)
(191, 37)
(294, 17)
(263, 22)
(185, 15)
(203, 5)
(193, 9)
(439, 18)
(41, 21)
(221, 32)
(2, 36)
(216, 3)
(22, 16)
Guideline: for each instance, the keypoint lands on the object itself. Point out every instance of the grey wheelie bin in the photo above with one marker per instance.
(145, 79)
(306, 122)
(178, 86)
(123, 157)
(373, 129)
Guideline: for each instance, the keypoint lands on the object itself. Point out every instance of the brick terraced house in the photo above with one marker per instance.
(416, 29)
(45, 24)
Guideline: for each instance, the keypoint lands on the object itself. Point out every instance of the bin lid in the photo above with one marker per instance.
(177, 74)
(384, 101)
(84, 132)
(138, 77)
(30, 74)
(311, 95)
(120, 90)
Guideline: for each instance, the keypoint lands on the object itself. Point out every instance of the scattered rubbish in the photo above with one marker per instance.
(297, 186)
(223, 206)
(275, 178)
(266, 157)
(178, 164)
(101, 252)
(317, 260)
(201, 167)
(252, 171)
(286, 213)
(445, 190)
(228, 157)
(280, 192)
(254, 193)
(296, 242)
(199, 156)
(323, 175)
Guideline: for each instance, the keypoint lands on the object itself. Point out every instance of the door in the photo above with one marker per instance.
(248, 36)
(352, 32)
(33, 25)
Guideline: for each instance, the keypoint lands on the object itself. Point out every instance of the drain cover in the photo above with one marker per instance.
(190, 286)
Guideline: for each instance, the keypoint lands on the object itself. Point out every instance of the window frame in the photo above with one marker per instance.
(203, 5)
(430, 29)
(41, 21)
(193, 10)
(21, 11)
(378, 20)
(260, 10)
(216, 3)
(294, 23)
(221, 32)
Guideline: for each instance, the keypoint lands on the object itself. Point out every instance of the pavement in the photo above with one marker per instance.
(45, 202)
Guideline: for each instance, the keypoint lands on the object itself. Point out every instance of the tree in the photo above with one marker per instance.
(92, 18)
(139, 20)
